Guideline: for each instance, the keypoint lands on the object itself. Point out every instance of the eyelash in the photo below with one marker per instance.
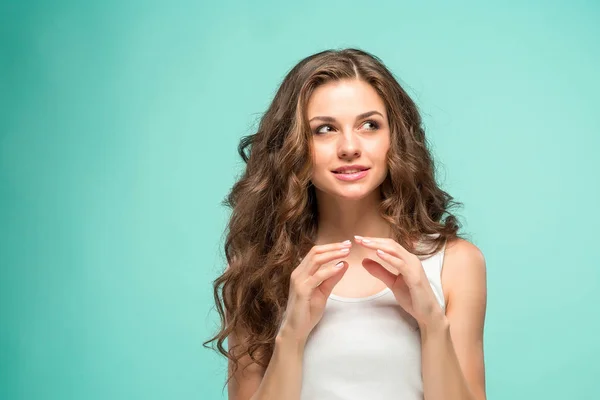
(374, 123)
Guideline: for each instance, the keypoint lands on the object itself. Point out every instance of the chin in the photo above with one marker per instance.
(347, 194)
(352, 198)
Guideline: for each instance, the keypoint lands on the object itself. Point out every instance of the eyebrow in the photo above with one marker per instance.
(359, 116)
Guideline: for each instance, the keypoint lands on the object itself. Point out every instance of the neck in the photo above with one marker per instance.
(340, 219)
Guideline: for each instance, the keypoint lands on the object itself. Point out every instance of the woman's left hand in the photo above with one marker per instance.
(411, 286)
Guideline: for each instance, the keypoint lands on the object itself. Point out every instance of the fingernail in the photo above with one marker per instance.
(346, 242)
(345, 250)
(339, 265)
(358, 237)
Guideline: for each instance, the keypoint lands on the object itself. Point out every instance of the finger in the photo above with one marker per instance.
(395, 262)
(324, 258)
(379, 272)
(305, 267)
(326, 278)
(329, 283)
(390, 246)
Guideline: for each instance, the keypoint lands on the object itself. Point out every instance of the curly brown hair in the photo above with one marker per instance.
(274, 215)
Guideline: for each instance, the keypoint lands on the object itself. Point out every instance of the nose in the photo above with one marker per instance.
(348, 145)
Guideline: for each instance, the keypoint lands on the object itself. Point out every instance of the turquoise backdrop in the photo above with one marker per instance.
(119, 122)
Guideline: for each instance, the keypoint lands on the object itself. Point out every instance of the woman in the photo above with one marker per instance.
(347, 278)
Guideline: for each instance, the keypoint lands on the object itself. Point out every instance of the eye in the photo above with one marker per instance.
(374, 124)
(318, 130)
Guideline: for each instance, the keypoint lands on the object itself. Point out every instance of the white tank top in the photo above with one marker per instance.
(368, 347)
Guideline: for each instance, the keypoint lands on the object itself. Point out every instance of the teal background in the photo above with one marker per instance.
(119, 124)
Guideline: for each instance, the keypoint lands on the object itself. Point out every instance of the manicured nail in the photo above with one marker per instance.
(381, 252)
(346, 242)
(345, 250)
(358, 237)
(339, 265)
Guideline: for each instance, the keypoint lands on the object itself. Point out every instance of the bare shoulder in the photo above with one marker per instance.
(464, 285)
(464, 267)
(461, 249)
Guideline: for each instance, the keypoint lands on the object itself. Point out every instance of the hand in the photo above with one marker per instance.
(310, 287)
(411, 287)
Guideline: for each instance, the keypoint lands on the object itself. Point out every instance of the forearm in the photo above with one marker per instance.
(442, 376)
(283, 376)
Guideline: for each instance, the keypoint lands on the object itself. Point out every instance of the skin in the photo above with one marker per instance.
(451, 341)
(349, 208)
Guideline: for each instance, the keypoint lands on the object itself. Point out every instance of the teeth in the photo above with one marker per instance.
(349, 171)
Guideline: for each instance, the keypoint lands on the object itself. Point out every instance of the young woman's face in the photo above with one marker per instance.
(349, 126)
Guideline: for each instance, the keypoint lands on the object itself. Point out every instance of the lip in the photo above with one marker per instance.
(351, 177)
(350, 167)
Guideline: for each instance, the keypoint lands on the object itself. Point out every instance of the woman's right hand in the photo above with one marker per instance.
(310, 287)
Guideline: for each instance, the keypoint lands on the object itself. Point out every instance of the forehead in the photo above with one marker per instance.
(344, 98)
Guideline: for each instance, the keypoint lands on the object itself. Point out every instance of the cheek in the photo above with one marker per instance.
(378, 151)
(321, 157)
(384, 143)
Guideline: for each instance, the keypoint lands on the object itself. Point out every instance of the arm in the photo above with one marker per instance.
(281, 379)
(310, 286)
(283, 376)
(452, 348)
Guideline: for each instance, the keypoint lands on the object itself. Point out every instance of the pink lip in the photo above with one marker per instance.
(352, 177)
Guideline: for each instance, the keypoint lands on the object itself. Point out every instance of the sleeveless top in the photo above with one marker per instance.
(367, 347)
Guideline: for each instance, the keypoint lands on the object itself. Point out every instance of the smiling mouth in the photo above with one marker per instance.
(349, 172)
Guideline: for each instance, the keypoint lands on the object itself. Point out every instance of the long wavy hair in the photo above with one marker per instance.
(273, 223)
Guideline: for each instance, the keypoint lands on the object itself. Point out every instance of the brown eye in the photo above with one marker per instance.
(374, 125)
(318, 130)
